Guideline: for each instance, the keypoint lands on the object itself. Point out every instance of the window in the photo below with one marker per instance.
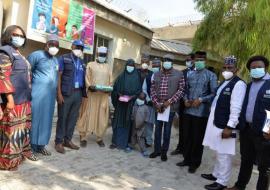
(99, 41)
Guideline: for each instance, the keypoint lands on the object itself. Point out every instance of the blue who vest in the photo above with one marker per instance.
(67, 82)
(222, 110)
(19, 76)
(262, 103)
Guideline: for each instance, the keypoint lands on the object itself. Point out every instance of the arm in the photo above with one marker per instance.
(6, 86)
(237, 98)
(33, 61)
(154, 93)
(213, 86)
(59, 91)
(88, 76)
(180, 92)
(144, 89)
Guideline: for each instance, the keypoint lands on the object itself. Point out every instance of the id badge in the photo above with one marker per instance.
(77, 85)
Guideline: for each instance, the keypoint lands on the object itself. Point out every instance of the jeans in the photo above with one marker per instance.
(166, 135)
(68, 113)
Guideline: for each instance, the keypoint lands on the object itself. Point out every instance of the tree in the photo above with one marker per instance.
(234, 27)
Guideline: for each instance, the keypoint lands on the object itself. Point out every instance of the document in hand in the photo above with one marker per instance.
(125, 98)
(266, 127)
(165, 115)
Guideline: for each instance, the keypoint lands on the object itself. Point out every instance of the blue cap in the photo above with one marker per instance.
(230, 60)
(78, 43)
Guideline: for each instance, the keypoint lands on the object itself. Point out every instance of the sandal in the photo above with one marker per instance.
(44, 152)
(33, 157)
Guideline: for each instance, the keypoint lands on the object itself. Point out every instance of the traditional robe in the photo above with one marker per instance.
(212, 136)
(94, 111)
(44, 85)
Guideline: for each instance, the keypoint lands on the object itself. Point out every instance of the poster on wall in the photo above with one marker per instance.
(68, 19)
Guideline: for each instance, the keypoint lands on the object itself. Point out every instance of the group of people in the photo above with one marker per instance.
(145, 102)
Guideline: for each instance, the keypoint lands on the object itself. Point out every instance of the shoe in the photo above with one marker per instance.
(145, 153)
(128, 150)
(192, 170)
(232, 188)
(176, 152)
(60, 148)
(164, 157)
(70, 145)
(44, 152)
(209, 177)
(154, 155)
(113, 146)
(33, 157)
(182, 164)
(101, 143)
(215, 186)
(83, 143)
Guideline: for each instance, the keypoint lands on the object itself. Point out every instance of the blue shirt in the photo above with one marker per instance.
(254, 89)
(78, 72)
(201, 84)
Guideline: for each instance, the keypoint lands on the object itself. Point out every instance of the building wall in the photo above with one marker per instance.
(123, 44)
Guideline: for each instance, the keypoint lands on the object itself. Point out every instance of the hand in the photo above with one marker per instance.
(150, 103)
(226, 133)
(60, 98)
(10, 105)
(267, 135)
(196, 103)
(166, 104)
(158, 108)
(1, 113)
(92, 88)
(188, 103)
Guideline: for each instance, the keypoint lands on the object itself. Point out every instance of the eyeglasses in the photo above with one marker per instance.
(18, 35)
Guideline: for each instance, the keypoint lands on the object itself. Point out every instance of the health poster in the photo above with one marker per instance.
(42, 15)
(69, 19)
(88, 27)
(59, 19)
(75, 16)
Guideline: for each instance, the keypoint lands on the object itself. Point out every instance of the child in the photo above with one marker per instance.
(139, 117)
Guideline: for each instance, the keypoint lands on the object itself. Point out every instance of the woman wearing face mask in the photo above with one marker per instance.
(125, 90)
(15, 87)
(44, 66)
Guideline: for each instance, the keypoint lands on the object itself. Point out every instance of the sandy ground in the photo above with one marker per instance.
(104, 169)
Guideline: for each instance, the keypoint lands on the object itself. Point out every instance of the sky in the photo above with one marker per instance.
(157, 9)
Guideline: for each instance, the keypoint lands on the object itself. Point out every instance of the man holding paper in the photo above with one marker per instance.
(220, 135)
(254, 143)
(166, 90)
(94, 112)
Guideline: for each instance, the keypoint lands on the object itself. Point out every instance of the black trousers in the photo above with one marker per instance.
(180, 145)
(194, 130)
(253, 148)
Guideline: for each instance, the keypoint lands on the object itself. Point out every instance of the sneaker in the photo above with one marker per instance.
(128, 150)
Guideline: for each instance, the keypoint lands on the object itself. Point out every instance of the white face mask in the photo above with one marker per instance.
(189, 64)
(101, 59)
(53, 51)
(77, 52)
(17, 41)
(139, 102)
(144, 66)
(227, 75)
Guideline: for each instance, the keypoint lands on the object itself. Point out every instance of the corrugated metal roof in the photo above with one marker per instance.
(172, 46)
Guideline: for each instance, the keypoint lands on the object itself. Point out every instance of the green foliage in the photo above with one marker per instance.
(234, 27)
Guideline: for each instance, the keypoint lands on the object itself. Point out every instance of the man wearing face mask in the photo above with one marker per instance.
(94, 112)
(166, 90)
(156, 64)
(144, 70)
(201, 88)
(190, 68)
(220, 135)
(44, 67)
(71, 88)
(254, 143)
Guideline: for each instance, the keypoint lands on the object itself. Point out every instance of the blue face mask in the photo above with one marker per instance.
(257, 73)
(139, 102)
(167, 65)
(155, 69)
(199, 65)
(17, 41)
(130, 69)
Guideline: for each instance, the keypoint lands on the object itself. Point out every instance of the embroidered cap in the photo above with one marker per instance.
(230, 60)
